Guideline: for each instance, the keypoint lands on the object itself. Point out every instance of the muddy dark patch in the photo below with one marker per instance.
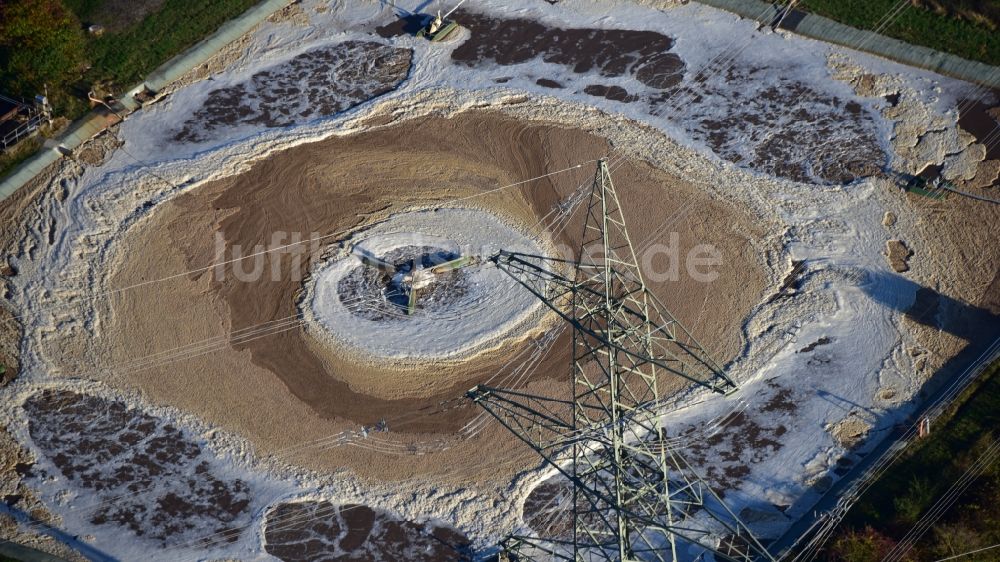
(317, 83)
(609, 52)
(613, 93)
(790, 284)
(788, 129)
(821, 341)
(325, 532)
(981, 120)
(548, 508)
(546, 83)
(743, 438)
(159, 481)
(782, 400)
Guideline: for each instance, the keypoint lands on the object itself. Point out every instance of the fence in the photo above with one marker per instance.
(33, 118)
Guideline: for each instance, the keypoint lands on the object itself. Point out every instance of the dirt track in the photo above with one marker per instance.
(285, 388)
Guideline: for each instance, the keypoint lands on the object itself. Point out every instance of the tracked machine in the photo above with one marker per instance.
(440, 27)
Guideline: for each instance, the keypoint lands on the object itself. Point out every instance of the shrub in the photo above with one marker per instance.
(918, 497)
(862, 546)
(41, 43)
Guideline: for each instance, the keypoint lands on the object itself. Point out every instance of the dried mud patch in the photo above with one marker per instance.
(898, 255)
(314, 84)
(611, 52)
(821, 137)
(850, 431)
(788, 129)
(548, 508)
(151, 478)
(743, 438)
(316, 531)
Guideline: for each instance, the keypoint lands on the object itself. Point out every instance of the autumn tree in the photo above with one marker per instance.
(41, 43)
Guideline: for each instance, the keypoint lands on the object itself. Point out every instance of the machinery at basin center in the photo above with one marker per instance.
(410, 278)
(440, 27)
(633, 495)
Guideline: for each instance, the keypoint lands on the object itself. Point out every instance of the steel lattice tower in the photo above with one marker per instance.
(634, 497)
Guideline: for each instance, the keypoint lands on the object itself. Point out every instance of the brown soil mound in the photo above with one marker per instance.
(284, 389)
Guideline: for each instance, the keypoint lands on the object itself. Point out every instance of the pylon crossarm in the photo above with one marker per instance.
(680, 333)
(554, 287)
(481, 392)
(522, 419)
(532, 420)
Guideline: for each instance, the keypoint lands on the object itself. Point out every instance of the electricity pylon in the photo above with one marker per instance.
(634, 497)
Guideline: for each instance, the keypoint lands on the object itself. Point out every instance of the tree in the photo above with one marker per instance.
(866, 545)
(41, 42)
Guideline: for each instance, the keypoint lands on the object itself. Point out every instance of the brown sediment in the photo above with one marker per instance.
(546, 83)
(548, 508)
(898, 255)
(284, 389)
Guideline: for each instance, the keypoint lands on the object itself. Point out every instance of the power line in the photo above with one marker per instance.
(984, 549)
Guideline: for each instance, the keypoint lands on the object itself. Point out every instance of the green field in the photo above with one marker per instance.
(963, 28)
(125, 57)
(44, 43)
(45, 47)
(916, 481)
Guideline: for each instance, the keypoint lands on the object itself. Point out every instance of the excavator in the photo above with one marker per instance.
(440, 27)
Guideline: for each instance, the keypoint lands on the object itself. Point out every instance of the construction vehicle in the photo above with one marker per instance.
(925, 184)
(440, 27)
